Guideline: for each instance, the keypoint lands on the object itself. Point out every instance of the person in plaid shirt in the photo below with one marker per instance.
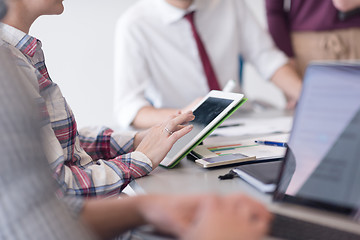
(91, 161)
(29, 208)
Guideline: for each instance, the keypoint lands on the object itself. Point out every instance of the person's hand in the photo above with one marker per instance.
(292, 62)
(140, 136)
(171, 215)
(290, 103)
(234, 217)
(346, 5)
(160, 138)
(290, 100)
(289, 81)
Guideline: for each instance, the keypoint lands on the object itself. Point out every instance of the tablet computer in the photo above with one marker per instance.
(209, 114)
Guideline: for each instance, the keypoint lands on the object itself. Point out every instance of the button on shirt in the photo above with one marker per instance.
(157, 60)
(93, 161)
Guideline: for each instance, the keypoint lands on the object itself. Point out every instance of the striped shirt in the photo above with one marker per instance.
(89, 162)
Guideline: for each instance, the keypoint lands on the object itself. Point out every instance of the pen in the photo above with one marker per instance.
(230, 125)
(272, 143)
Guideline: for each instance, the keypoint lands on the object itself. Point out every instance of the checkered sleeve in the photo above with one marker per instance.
(112, 164)
(92, 162)
(104, 143)
(101, 177)
(29, 208)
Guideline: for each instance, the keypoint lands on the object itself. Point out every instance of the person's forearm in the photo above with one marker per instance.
(103, 143)
(149, 116)
(288, 81)
(108, 218)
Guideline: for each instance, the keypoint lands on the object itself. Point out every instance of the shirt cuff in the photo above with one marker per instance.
(126, 115)
(125, 139)
(271, 62)
(139, 156)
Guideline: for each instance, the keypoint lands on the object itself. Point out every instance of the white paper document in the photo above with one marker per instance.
(240, 127)
(246, 147)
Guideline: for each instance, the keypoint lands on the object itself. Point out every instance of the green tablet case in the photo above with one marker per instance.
(207, 133)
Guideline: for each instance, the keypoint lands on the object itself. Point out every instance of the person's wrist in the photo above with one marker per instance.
(292, 63)
(137, 140)
(139, 136)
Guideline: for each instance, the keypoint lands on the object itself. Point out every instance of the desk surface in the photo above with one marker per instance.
(189, 178)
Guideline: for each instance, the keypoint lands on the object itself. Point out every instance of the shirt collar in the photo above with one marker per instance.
(22, 41)
(171, 14)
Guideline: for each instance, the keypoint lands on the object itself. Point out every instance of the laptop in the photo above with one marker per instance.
(318, 188)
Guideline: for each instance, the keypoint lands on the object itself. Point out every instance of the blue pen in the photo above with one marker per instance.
(272, 143)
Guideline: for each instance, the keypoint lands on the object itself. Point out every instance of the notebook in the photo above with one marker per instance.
(263, 175)
(318, 188)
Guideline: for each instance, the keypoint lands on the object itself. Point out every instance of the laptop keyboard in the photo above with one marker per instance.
(289, 228)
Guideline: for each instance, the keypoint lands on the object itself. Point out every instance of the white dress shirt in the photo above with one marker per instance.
(157, 61)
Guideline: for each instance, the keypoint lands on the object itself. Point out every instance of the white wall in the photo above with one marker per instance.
(78, 48)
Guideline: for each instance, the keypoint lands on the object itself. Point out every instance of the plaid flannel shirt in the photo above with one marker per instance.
(89, 162)
(29, 208)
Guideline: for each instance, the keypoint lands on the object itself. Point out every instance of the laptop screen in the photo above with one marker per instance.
(322, 163)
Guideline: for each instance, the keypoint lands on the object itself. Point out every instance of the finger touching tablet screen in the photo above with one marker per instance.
(209, 114)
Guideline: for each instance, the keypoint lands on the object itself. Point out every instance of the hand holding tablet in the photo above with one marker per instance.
(157, 141)
(209, 114)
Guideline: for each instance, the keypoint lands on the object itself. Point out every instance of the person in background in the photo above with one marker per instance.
(308, 30)
(91, 161)
(169, 53)
(29, 208)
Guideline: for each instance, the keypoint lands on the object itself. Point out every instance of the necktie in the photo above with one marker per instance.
(208, 69)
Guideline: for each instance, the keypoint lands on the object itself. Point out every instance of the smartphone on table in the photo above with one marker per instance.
(224, 160)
